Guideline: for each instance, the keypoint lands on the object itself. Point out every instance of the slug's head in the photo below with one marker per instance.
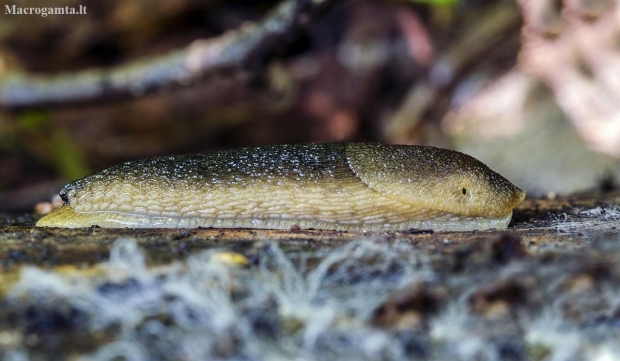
(474, 190)
(439, 181)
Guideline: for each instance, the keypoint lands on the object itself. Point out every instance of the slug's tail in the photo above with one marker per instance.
(61, 217)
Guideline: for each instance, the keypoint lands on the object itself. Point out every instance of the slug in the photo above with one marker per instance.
(335, 186)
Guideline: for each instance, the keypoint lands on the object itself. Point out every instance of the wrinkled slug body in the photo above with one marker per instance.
(339, 186)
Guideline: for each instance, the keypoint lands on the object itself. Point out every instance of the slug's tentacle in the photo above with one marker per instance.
(356, 186)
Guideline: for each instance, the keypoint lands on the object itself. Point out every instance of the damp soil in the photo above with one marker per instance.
(540, 224)
(547, 237)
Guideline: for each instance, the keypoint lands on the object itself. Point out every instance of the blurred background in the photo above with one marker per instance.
(532, 88)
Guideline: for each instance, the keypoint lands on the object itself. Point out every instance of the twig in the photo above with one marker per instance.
(249, 46)
(477, 40)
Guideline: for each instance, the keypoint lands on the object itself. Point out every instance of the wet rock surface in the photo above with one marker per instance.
(544, 289)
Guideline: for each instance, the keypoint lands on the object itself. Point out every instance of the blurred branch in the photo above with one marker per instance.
(478, 38)
(247, 47)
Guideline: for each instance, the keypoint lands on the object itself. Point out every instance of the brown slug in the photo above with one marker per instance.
(337, 186)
